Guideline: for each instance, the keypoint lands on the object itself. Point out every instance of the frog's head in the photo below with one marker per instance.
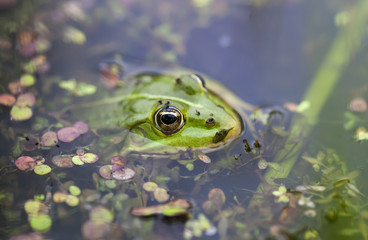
(179, 112)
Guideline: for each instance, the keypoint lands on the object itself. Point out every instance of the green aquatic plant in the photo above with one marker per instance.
(344, 47)
(78, 88)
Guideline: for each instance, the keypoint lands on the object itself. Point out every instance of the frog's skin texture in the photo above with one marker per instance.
(196, 117)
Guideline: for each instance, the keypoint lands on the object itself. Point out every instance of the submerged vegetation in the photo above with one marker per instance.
(62, 175)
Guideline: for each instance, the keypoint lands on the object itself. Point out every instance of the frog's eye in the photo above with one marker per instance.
(168, 119)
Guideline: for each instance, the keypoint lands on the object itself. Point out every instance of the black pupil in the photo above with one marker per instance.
(168, 118)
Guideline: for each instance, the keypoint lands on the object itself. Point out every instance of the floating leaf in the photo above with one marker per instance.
(95, 230)
(281, 193)
(161, 195)
(7, 99)
(72, 201)
(209, 207)
(15, 87)
(74, 190)
(49, 139)
(282, 190)
(59, 197)
(25, 163)
(88, 158)
(189, 166)
(20, 113)
(284, 198)
(118, 161)
(69, 85)
(29, 143)
(77, 161)
(123, 174)
(33, 207)
(174, 208)
(74, 35)
(27, 80)
(26, 99)
(149, 186)
(106, 171)
(82, 127)
(37, 64)
(42, 45)
(68, 134)
(84, 89)
(40, 223)
(42, 169)
(217, 196)
(79, 89)
(101, 214)
(63, 161)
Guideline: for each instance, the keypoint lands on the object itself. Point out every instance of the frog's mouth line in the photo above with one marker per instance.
(181, 152)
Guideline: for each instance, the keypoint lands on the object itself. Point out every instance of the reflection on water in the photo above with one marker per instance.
(59, 176)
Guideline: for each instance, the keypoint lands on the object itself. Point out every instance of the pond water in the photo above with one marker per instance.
(297, 67)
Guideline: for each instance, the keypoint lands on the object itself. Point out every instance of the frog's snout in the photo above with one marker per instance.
(220, 135)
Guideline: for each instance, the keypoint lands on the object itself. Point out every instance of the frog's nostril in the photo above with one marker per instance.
(210, 122)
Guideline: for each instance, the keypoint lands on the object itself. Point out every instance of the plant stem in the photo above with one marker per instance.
(345, 46)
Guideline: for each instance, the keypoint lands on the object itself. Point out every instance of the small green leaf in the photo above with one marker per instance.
(77, 161)
(101, 214)
(27, 80)
(42, 169)
(74, 35)
(69, 85)
(21, 113)
(72, 201)
(74, 190)
(190, 166)
(40, 223)
(83, 89)
(149, 186)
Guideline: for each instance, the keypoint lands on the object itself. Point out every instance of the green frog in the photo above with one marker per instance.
(163, 114)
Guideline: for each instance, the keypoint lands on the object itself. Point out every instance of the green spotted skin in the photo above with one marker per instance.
(209, 121)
